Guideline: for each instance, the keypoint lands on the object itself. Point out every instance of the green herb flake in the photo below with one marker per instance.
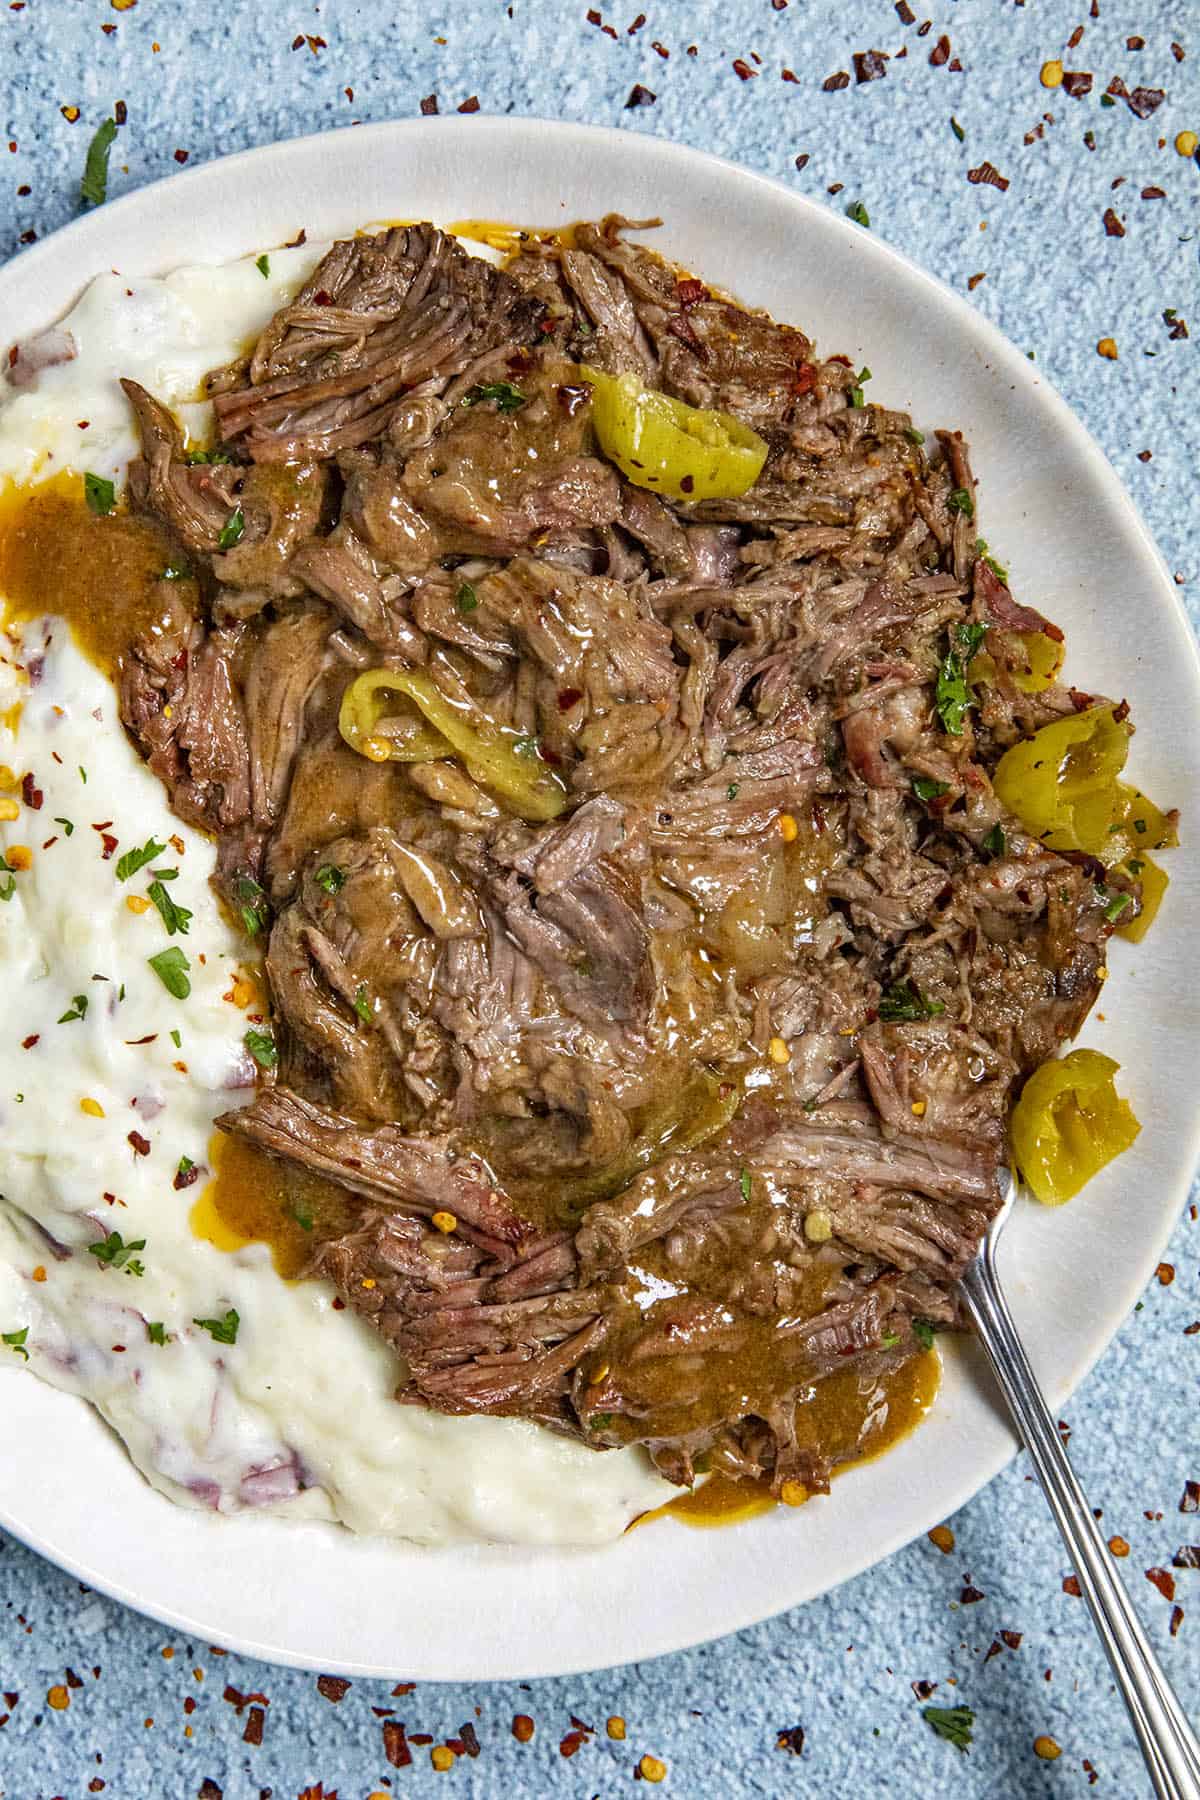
(176, 918)
(466, 599)
(212, 457)
(952, 696)
(525, 746)
(263, 265)
(858, 212)
(176, 1040)
(115, 1253)
(93, 189)
(744, 1181)
(76, 1010)
(954, 1723)
(331, 878)
(956, 128)
(731, 792)
(184, 1166)
(506, 397)
(261, 1046)
(171, 966)
(7, 888)
(601, 1421)
(295, 1209)
(969, 638)
(926, 788)
(1116, 907)
(222, 1331)
(101, 495)
(904, 1002)
(67, 825)
(913, 435)
(922, 1330)
(231, 531)
(856, 392)
(995, 843)
(254, 911)
(960, 501)
(83, 774)
(133, 860)
(175, 571)
(156, 1331)
(362, 1003)
(16, 1341)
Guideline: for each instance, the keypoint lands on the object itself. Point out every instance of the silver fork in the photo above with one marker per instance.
(1167, 1741)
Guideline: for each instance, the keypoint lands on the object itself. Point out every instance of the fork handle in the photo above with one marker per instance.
(1167, 1741)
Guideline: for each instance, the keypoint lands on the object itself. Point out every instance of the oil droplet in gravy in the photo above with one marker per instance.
(251, 1198)
(844, 1409)
(98, 571)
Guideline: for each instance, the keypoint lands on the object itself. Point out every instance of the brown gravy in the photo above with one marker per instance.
(253, 1199)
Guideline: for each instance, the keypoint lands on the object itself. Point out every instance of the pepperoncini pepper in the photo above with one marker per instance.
(1068, 1123)
(1062, 782)
(669, 447)
(499, 759)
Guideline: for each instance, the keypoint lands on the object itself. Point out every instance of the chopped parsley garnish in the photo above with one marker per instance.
(956, 128)
(100, 494)
(175, 571)
(601, 1421)
(184, 1166)
(981, 551)
(914, 436)
(115, 1253)
(171, 966)
(76, 1010)
(295, 1209)
(952, 696)
(922, 1330)
(744, 1181)
(995, 843)
(263, 265)
(254, 909)
(176, 1039)
(223, 1331)
(83, 774)
(331, 878)
(889, 1342)
(731, 792)
(856, 392)
(208, 456)
(16, 1341)
(362, 1003)
(174, 917)
(951, 1722)
(960, 501)
(133, 860)
(507, 398)
(525, 746)
(926, 788)
(67, 825)
(466, 599)
(1116, 907)
(156, 1331)
(93, 189)
(7, 888)
(858, 212)
(231, 531)
(261, 1046)
(904, 1001)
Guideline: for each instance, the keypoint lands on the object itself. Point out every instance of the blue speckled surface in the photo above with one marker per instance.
(1056, 283)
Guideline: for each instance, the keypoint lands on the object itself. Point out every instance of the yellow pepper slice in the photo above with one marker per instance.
(499, 759)
(1061, 782)
(1154, 885)
(1068, 1123)
(1137, 826)
(669, 447)
(1034, 661)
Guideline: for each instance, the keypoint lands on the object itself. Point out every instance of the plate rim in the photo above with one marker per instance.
(1005, 360)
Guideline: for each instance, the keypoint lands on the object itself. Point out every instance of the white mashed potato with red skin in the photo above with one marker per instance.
(109, 1082)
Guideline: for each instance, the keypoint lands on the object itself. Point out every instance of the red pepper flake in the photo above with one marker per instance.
(181, 156)
(1176, 327)
(742, 69)
(574, 1741)
(995, 1648)
(333, 1687)
(395, 1744)
(633, 29)
(1076, 38)
(149, 1038)
(184, 1178)
(13, 354)
(1144, 101)
(941, 52)
(832, 84)
(315, 43)
(1166, 1273)
(121, 112)
(806, 376)
(471, 105)
(1186, 1557)
(522, 1727)
(420, 1737)
(322, 297)
(1163, 1580)
(988, 174)
(1192, 1329)
(973, 281)
(1154, 193)
(469, 1739)
(297, 41)
(1112, 225)
(869, 65)
(925, 27)
(210, 1791)
(29, 1042)
(568, 697)
(1176, 1620)
(791, 1739)
(924, 1689)
(239, 1702)
(28, 237)
(255, 1720)
(31, 794)
(403, 1687)
(954, 66)
(1076, 83)
(1178, 52)
(140, 1144)
(640, 96)
(1135, 43)
(24, 190)
(970, 1595)
(904, 12)
(429, 105)
(1071, 1586)
(661, 50)
(1012, 1639)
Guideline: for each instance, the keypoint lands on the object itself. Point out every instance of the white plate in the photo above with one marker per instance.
(1054, 511)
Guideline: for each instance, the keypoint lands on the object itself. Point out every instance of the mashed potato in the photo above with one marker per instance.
(110, 1076)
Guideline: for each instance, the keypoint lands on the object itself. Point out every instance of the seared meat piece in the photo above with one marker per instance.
(197, 500)
(289, 661)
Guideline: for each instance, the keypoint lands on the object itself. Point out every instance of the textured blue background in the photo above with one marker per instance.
(205, 80)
